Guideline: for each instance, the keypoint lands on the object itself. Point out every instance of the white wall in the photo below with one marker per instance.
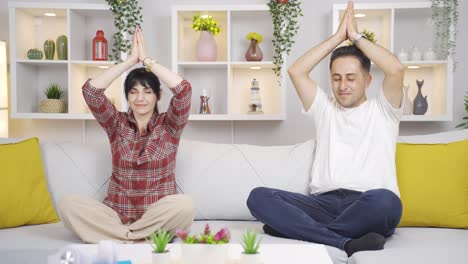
(315, 27)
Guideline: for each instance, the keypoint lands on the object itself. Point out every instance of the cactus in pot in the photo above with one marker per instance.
(62, 47)
(49, 49)
(34, 54)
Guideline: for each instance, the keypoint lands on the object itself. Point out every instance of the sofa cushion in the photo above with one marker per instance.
(419, 245)
(219, 177)
(433, 184)
(24, 197)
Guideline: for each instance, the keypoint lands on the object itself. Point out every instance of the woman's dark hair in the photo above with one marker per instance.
(147, 79)
(351, 51)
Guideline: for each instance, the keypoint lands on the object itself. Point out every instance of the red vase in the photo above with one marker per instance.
(253, 53)
(281, 1)
(99, 46)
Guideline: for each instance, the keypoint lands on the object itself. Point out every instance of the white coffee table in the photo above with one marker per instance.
(271, 253)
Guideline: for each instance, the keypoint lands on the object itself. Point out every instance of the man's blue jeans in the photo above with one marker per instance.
(331, 218)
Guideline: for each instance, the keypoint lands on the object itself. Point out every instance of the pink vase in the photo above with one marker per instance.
(206, 47)
(253, 53)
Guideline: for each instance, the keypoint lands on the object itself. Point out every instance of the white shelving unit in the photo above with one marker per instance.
(395, 26)
(228, 79)
(29, 28)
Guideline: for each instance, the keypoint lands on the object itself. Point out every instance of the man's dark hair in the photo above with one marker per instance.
(147, 79)
(351, 51)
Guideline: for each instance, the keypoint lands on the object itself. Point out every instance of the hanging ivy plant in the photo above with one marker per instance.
(126, 17)
(284, 15)
(445, 19)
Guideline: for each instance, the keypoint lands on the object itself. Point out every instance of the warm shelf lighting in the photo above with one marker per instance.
(50, 14)
(204, 16)
(413, 67)
(3, 91)
(255, 68)
(103, 67)
(359, 15)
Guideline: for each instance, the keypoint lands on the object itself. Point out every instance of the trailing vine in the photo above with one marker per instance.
(445, 19)
(284, 17)
(126, 17)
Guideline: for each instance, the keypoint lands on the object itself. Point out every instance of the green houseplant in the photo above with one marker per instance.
(250, 243)
(126, 17)
(445, 20)
(53, 103)
(464, 123)
(160, 239)
(284, 15)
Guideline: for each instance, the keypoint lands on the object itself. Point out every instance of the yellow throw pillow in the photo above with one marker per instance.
(433, 182)
(24, 198)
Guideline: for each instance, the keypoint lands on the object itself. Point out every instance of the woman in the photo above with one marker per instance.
(142, 192)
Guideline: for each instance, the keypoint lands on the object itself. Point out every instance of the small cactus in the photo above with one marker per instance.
(49, 49)
(62, 47)
(35, 54)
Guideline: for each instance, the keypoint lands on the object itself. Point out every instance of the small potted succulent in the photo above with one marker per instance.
(53, 103)
(251, 244)
(160, 239)
(206, 248)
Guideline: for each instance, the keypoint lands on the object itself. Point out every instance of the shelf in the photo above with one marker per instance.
(426, 63)
(52, 116)
(228, 80)
(232, 117)
(29, 28)
(190, 64)
(425, 118)
(250, 64)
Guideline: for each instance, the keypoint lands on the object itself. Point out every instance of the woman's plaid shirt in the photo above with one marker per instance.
(142, 164)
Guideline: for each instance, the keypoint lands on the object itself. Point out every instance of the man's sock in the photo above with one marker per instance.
(371, 241)
(272, 232)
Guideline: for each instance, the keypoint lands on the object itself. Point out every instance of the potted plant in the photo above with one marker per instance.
(206, 248)
(206, 49)
(284, 17)
(445, 19)
(251, 244)
(369, 35)
(126, 17)
(464, 123)
(159, 240)
(254, 53)
(53, 103)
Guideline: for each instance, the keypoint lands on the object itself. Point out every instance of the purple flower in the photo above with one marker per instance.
(222, 234)
(207, 230)
(182, 234)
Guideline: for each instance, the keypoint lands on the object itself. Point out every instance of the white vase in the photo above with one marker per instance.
(206, 47)
(161, 258)
(204, 253)
(251, 258)
(416, 54)
(402, 55)
(429, 55)
(408, 106)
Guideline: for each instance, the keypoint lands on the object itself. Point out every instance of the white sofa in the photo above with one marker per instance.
(219, 177)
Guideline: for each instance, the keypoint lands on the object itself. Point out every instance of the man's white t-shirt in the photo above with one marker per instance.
(355, 146)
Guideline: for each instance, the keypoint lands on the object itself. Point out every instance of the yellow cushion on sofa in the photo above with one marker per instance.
(433, 182)
(24, 198)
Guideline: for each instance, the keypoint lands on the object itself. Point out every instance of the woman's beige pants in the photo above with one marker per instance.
(93, 221)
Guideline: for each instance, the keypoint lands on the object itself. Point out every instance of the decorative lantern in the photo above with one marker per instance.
(99, 46)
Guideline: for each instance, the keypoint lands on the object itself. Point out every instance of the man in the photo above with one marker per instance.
(354, 203)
